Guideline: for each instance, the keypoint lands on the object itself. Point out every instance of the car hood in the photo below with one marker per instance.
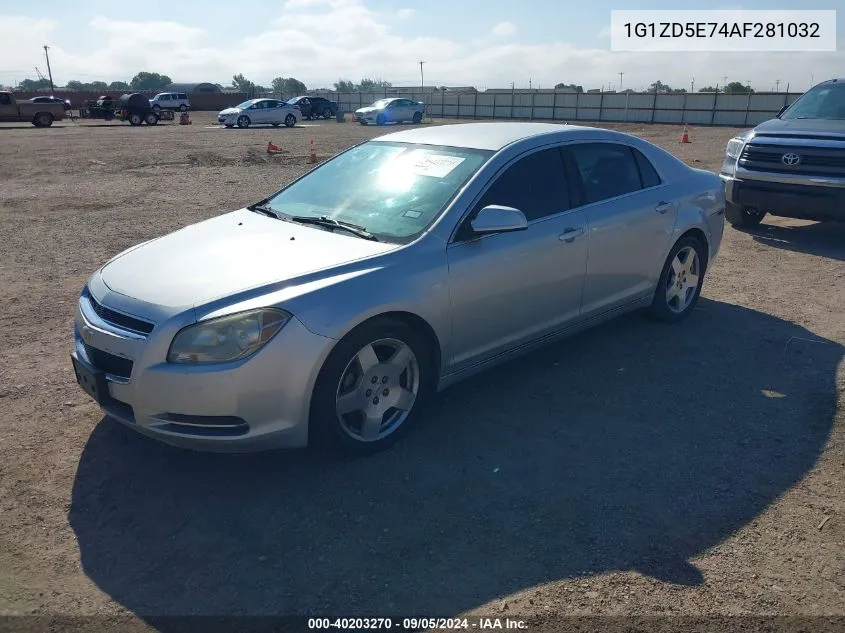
(234, 252)
(801, 127)
(367, 110)
(230, 111)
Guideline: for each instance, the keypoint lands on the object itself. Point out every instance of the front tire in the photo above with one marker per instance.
(381, 119)
(243, 121)
(327, 114)
(372, 387)
(183, 108)
(680, 281)
(417, 117)
(743, 217)
(290, 120)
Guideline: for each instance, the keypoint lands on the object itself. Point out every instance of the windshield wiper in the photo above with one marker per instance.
(265, 210)
(323, 220)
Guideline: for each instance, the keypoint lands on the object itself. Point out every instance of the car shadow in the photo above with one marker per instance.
(635, 446)
(826, 239)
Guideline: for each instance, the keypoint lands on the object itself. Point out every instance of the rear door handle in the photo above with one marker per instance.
(570, 233)
(663, 207)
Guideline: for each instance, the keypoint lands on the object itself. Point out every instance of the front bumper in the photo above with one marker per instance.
(367, 117)
(259, 403)
(786, 199)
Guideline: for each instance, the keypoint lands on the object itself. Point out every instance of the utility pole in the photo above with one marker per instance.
(777, 85)
(422, 78)
(692, 85)
(529, 83)
(620, 80)
(49, 72)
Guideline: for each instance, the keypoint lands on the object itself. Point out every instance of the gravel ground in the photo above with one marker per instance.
(638, 469)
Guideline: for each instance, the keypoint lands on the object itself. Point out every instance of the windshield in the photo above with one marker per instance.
(826, 101)
(393, 190)
(381, 103)
(245, 104)
(293, 101)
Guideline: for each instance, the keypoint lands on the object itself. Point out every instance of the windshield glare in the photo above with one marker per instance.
(245, 104)
(394, 190)
(826, 101)
(381, 103)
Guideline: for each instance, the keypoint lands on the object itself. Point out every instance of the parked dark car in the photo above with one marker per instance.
(315, 107)
(792, 166)
(65, 102)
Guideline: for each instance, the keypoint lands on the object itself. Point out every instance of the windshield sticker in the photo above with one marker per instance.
(412, 214)
(433, 165)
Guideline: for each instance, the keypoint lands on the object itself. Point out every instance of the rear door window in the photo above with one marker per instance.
(607, 170)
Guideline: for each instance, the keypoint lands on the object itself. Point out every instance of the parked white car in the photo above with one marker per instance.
(393, 110)
(260, 112)
(171, 101)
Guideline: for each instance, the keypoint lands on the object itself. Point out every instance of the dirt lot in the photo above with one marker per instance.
(638, 469)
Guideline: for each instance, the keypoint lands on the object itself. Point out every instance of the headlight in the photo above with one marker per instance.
(228, 338)
(734, 148)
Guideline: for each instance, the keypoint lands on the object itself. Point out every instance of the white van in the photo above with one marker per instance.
(170, 101)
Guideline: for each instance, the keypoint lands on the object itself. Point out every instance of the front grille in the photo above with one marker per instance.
(815, 161)
(109, 363)
(116, 318)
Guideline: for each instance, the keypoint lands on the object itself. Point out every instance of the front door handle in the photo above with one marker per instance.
(570, 233)
(663, 207)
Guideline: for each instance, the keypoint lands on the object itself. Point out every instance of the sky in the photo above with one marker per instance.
(483, 43)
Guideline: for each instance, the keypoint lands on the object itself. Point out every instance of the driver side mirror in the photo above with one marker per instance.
(498, 219)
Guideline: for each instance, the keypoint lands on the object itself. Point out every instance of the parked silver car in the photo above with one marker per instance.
(336, 307)
(386, 111)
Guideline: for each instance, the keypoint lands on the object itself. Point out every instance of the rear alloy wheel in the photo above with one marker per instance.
(135, 119)
(43, 119)
(243, 121)
(372, 386)
(290, 120)
(680, 281)
(743, 217)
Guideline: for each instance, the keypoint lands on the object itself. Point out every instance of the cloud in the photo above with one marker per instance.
(504, 29)
(405, 14)
(372, 45)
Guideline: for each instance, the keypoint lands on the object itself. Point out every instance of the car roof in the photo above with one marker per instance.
(488, 136)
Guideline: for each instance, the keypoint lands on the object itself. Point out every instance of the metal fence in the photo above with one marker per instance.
(634, 107)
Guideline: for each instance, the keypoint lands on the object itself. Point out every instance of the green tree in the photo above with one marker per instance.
(368, 84)
(118, 85)
(569, 87)
(288, 86)
(344, 85)
(708, 89)
(75, 84)
(149, 81)
(33, 85)
(736, 87)
(242, 84)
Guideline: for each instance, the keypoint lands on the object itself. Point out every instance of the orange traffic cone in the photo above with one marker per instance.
(273, 149)
(313, 157)
(685, 136)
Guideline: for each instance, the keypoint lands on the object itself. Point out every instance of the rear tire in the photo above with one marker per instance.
(677, 290)
(43, 119)
(741, 217)
(151, 119)
(183, 108)
(343, 374)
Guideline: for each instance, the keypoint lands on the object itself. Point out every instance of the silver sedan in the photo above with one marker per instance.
(335, 308)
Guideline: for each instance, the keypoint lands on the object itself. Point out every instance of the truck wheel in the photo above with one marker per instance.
(743, 217)
(151, 119)
(243, 121)
(135, 119)
(183, 108)
(43, 119)
(327, 114)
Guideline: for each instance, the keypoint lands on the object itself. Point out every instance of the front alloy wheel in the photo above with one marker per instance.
(371, 387)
